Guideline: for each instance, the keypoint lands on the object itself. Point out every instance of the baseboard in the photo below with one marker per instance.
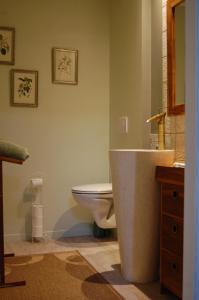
(78, 230)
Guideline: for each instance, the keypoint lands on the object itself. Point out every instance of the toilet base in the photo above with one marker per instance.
(100, 232)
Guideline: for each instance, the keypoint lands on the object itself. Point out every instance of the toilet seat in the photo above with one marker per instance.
(99, 188)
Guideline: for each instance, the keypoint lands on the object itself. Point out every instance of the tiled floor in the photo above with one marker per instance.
(102, 254)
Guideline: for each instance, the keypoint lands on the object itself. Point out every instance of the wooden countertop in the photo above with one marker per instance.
(170, 175)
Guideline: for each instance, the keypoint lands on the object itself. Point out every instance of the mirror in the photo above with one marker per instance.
(176, 56)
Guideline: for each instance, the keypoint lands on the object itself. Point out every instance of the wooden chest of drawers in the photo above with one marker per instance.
(171, 228)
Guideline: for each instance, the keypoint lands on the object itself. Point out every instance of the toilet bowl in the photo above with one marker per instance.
(99, 199)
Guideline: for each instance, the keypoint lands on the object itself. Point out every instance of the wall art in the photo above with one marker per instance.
(24, 88)
(7, 45)
(64, 66)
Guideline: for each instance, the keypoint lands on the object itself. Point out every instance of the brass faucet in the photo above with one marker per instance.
(160, 118)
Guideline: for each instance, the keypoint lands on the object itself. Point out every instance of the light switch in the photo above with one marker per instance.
(124, 124)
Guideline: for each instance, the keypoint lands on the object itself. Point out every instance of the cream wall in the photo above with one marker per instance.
(68, 134)
(129, 88)
(156, 59)
(174, 125)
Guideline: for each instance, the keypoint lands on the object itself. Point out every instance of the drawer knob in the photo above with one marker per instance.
(175, 194)
(174, 228)
(174, 266)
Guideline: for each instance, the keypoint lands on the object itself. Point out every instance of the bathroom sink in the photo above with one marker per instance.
(136, 203)
(180, 164)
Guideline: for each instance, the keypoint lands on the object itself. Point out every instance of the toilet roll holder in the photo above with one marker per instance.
(4, 284)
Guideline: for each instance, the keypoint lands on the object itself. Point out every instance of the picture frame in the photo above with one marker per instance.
(65, 66)
(24, 88)
(7, 45)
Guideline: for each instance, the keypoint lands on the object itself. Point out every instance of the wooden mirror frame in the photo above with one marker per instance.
(173, 109)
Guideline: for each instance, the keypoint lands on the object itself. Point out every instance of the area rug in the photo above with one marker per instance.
(55, 276)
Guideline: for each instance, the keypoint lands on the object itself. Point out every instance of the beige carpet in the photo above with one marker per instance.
(57, 276)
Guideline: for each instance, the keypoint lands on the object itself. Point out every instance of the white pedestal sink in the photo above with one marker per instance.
(137, 202)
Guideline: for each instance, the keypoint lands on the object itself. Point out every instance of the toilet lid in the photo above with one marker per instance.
(98, 188)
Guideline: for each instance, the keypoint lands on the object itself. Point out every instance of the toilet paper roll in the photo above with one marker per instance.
(37, 220)
(37, 182)
(37, 211)
(37, 232)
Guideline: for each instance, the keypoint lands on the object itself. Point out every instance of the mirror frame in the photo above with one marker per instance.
(173, 109)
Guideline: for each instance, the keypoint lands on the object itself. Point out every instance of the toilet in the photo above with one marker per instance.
(99, 199)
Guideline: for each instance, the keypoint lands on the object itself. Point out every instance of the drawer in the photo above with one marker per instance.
(173, 199)
(171, 272)
(172, 234)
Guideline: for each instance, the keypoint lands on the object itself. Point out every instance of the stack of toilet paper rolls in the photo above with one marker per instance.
(37, 210)
(37, 221)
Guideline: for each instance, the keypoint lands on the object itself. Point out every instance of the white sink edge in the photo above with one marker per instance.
(141, 150)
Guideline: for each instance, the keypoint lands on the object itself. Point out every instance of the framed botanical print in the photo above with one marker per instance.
(64, 66)
(7, 45)
(24, 88)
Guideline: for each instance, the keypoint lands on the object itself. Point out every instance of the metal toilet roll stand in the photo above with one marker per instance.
(4, 284)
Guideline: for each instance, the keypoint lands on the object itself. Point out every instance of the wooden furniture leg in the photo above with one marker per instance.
(3, 284)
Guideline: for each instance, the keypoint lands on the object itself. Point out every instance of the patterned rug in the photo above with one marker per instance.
(55, 276)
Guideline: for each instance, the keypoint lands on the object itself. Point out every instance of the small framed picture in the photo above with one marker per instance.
(64, 66)
(24, 88)
(7, 45)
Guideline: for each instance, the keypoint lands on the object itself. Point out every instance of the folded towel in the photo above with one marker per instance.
(12, 150)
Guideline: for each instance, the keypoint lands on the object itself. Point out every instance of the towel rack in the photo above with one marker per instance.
(3, 284)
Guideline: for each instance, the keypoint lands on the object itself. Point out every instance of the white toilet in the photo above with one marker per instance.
(99, 199)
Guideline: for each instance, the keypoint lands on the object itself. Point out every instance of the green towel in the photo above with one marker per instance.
(12, 150)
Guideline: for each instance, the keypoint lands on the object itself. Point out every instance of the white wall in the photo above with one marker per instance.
(128, 85)
(68, 134)
(156, 57)
(191, 207)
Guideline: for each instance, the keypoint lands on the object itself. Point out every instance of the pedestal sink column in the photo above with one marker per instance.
(136, 202)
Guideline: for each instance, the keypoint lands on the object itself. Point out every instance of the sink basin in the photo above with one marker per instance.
(136, 202)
